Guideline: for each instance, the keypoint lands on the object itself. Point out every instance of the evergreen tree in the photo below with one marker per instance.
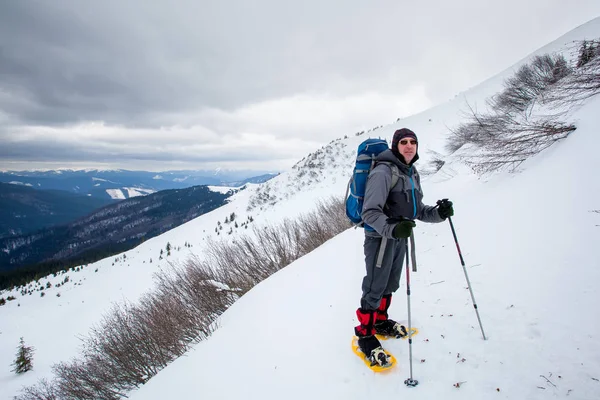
(585, 55)
(593, 50)
(24, 358)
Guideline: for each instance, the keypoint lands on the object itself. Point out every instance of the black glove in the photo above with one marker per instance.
(445, 209)
(403, 229)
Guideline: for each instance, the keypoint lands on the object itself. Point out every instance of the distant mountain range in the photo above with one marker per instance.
(124, 184)
(32, 200)
(107, 231)
(24, 210)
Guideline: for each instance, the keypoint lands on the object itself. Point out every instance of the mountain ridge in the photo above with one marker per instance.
(109, 230)
(128, 183)
(24, 209)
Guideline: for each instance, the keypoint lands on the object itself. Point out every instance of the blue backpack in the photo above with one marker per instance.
(365, 162)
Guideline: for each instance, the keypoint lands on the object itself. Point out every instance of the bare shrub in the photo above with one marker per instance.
(434, 165)
(194, 286)
(242, 263)
(74, 381)
(163, 318)
(133, 342)
(517, 94)
(505, 140)
(584, 82)
(479, 129)
(332, 211)
(248, 260)
(314, 232)
(43, 390)
(518, 142)
(508, 134)
(529, 82)
(122, 346)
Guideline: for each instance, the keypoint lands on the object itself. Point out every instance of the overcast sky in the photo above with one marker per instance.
(241, 84)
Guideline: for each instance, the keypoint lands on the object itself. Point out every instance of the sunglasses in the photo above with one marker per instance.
(404, 142)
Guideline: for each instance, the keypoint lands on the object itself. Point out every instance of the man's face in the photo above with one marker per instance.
(408, 148)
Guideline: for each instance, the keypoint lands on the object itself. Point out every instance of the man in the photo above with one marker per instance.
(389, 214)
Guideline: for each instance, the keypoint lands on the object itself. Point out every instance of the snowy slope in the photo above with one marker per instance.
(530, 245)
(528, 240)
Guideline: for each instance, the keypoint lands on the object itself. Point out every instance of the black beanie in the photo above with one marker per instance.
(399, 135)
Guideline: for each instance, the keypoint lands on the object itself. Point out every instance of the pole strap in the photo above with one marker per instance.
(413, 253)
(381, 252)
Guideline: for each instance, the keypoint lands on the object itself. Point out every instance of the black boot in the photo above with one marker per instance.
(385, 326)
(389, 327)
(373, 351)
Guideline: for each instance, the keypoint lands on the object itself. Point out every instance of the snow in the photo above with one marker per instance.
(115, 194)
(534, 272)
(88, 170)
(20, 183)
(532, 286)
(135, 192)
(530, 245)
(221, 189)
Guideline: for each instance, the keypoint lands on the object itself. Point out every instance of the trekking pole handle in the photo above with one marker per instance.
(441, 202)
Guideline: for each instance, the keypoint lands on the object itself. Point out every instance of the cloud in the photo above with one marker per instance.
(275, 133)
(116, 77)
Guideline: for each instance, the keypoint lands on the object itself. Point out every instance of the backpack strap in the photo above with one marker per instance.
(395, 172)
(395, 175)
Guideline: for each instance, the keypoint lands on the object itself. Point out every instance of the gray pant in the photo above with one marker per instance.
(384, 259)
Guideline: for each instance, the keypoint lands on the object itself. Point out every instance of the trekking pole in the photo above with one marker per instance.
(462, 261)
(410, 382)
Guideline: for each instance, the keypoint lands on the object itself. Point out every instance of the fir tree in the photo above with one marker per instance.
(584, 53)
(24, 360)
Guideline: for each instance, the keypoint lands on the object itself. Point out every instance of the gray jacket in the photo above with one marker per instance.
(404, 200)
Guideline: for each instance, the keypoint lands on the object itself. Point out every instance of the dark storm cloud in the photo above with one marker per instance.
(149, 64)
(50, 150)
(136, 61)
(69, 65)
